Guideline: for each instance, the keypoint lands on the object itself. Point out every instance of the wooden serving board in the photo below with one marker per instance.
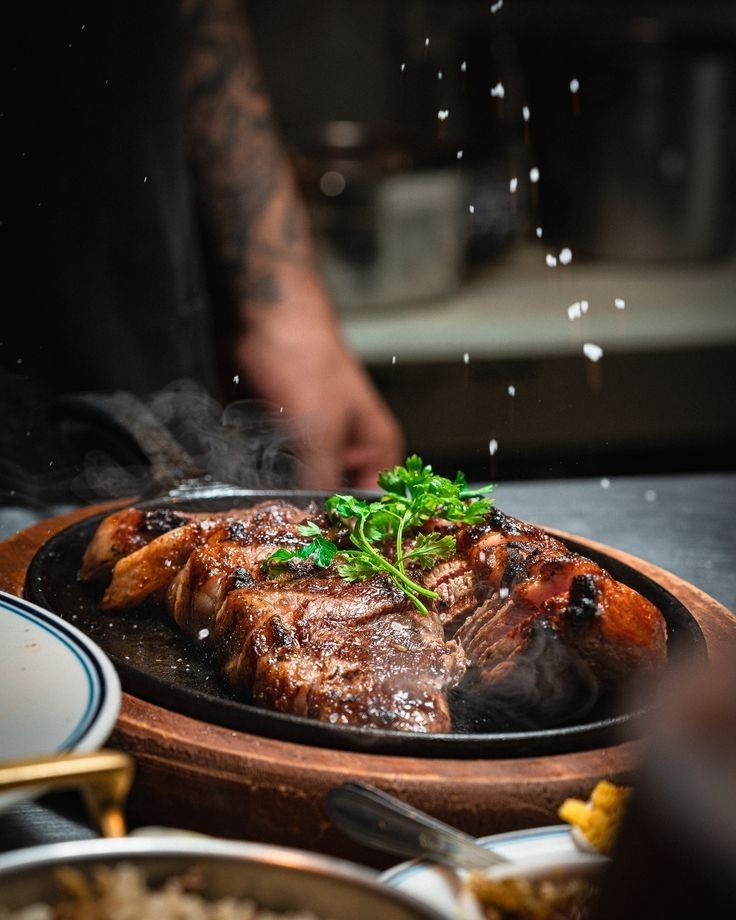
(203, 777)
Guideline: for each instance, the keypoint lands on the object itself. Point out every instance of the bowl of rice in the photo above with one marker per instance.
(187, 878)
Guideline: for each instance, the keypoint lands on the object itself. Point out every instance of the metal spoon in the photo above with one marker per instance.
(373, 817)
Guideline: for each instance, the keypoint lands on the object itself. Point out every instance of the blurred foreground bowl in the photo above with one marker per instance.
(276, 878)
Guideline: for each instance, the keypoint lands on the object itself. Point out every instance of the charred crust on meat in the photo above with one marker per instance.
(237, 532)
(494, 522)
(281, 635)
(582, 605)
(161, 521)
(517, 561)
(241, 578)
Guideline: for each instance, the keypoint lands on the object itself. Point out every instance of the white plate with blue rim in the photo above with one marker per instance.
(59, 692)
(531, 853)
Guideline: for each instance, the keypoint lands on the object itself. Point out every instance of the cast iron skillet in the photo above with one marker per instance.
(157, 663)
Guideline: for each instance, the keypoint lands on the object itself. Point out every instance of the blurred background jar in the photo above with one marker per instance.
(387, 215)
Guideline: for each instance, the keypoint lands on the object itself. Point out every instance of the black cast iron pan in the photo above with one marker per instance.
(157, 663)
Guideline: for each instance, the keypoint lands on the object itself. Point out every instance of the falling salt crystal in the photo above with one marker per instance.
(236, 379)
(574, 85)
(511, 390)
(550, 260)
(492, 446)
(443, 114)
(577, 309)
(619, 303)
(471, 208)
(439, 74)
(525, 113)
(83, 28)
(534, 174)
(464, 66)
(459, 154)
(513, 185)
(565, 256)
(498, 91)
(503, 593)
(592, 352)
(466, 358)
(203, 633)
(145, 178)
(403, 67)
(393, 359)
(495, 7)
(426, 42)
(538, 231)
(605, 483)
(650, 495)
(481, 556)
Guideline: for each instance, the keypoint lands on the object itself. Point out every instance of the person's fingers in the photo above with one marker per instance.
(376, 445)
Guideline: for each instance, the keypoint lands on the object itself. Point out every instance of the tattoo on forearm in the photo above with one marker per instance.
(253, 219)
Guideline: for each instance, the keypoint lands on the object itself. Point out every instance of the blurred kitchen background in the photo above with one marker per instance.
(525, 213)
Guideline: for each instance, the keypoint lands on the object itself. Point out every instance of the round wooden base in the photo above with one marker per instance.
(194, 775)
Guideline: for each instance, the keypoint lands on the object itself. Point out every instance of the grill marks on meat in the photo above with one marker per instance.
(355, 654)
(555, 629)
(146, 573)
(536, 627)
(232, 558)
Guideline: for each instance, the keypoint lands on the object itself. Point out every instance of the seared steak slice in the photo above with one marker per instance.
(146, 573)
(122, 533)
(357, 654)
(541, 646)
(232, 558)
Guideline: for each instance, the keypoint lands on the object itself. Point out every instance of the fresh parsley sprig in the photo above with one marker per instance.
(383, 533)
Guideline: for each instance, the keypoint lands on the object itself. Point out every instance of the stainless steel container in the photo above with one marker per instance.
(389, 224)
(276, 878)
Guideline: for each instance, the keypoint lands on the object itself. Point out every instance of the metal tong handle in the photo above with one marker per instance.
(373, 817)
(104, 776)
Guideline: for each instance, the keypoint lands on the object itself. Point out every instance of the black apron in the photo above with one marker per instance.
(103, 285)
(107, 289)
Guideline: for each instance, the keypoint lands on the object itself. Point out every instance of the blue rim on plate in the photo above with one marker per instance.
(96, 708)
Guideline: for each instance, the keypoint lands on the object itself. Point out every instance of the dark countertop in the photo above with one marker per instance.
(683, 523)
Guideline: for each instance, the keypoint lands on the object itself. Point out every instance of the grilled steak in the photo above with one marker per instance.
(357, 654)
(520, 624)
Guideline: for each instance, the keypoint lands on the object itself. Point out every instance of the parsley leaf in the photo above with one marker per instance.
(320, 550)
(385, 533)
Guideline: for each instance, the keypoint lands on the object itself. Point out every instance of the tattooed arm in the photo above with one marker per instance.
(289, 346)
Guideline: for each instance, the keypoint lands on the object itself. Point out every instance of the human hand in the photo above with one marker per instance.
(344, 432)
